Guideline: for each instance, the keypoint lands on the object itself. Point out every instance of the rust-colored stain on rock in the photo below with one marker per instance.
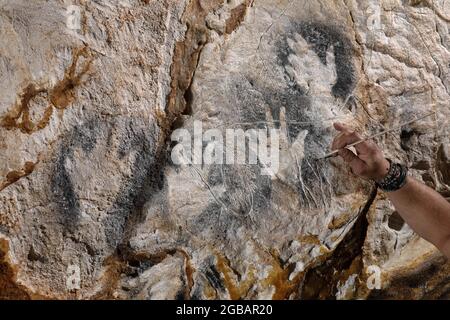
(237, 15)
(60, 96)
(63, 93)
(236, 291)
(9, 288)
(15, 175)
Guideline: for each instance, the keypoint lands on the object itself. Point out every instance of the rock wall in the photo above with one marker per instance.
(92, 206)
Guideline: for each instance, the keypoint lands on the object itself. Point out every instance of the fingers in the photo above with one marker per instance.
(355, 163)
(331, 64)
(300, 45)
(348, 136)
(366, 162)
(341, 127)
(367, 147)
(347, 155)
(345, 138)
(284, 138)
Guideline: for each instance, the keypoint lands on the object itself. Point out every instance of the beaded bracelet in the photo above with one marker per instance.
(395, 178)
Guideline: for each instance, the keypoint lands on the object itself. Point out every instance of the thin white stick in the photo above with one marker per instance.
(329, 155)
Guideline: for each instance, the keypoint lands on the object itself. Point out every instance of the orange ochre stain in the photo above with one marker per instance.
(236, 291)
(9, 289)
(60, 96)
(310, 239)
(356, 267)
(21, 110)
(346, 217)
(237, 15)
(15, 175)
(189, 271)
(279, 278)
(63, 93)
(114, 267)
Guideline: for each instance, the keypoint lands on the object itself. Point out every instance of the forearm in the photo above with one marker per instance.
(425, 211)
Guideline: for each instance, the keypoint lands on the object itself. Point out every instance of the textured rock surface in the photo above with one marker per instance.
(86, 180)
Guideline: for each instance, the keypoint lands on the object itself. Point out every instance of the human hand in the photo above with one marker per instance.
(310, 73)
(368, 162)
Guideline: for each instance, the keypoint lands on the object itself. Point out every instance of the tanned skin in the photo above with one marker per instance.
(423, 209)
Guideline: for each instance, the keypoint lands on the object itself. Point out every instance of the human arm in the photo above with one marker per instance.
(423, 209)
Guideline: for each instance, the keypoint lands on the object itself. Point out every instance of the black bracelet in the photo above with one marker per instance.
(395, 178)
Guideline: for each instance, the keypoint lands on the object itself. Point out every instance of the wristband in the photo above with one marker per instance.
(395, 178)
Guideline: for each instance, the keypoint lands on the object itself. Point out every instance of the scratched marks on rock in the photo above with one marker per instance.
(317, 75)
(248, 196)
